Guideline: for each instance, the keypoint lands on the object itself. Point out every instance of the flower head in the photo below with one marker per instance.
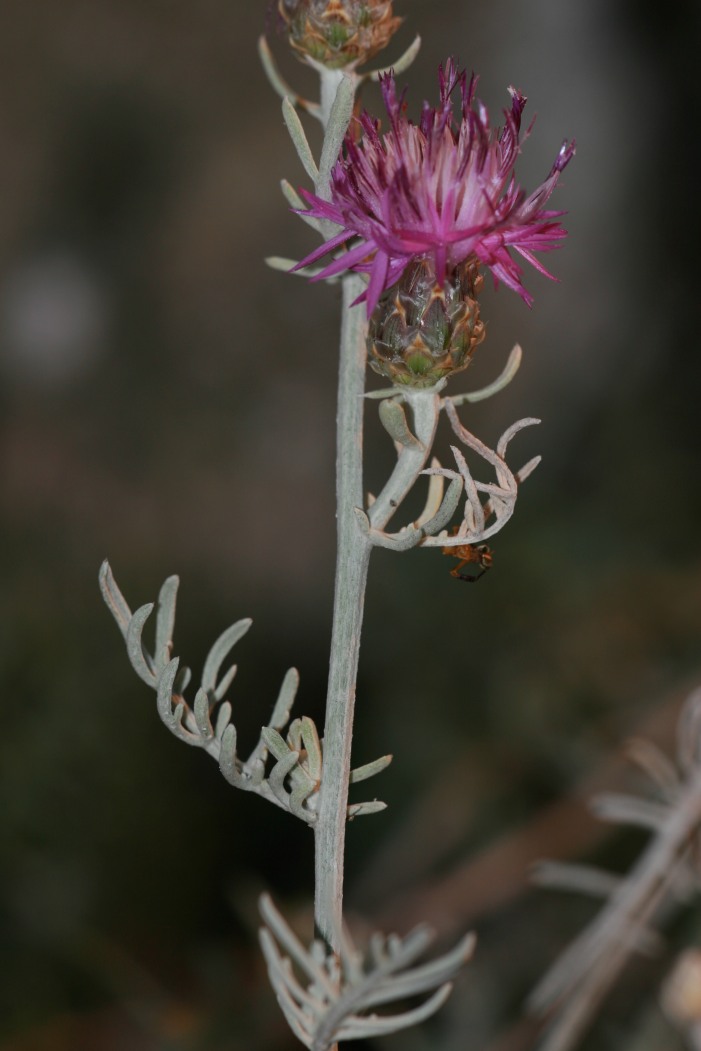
(423, 331)
(337, 33)
(443, 189)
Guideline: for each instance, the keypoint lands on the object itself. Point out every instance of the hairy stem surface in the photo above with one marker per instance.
(353, 555)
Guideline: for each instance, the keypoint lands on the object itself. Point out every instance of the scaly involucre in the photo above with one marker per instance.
(444, 189)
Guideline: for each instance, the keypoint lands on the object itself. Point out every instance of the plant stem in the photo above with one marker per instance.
(330, 79)
(353, 555)
(630, 911)
(426, 407)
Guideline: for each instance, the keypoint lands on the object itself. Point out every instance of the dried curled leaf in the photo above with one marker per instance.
(488, 505)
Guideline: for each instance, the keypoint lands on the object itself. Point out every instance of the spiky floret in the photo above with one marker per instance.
(443, 189)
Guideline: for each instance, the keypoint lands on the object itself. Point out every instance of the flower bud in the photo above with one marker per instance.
(420, 330)
(338, 33)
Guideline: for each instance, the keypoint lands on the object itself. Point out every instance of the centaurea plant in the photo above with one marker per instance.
(410, 217)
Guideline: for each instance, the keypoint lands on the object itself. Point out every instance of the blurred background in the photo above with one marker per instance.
(167, 401)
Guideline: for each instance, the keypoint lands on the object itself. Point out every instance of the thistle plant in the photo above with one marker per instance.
(410, 219)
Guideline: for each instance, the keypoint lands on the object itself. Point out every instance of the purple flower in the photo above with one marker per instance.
(443, 189)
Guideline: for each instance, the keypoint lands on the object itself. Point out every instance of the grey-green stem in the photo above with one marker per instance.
(330, 79)
(353, 555)
(425, 406)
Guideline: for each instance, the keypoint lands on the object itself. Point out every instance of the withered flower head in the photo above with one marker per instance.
(338, 33)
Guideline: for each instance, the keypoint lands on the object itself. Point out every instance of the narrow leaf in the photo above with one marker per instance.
(283, 981)
(512, 366)
(276, 778)
(421, 979)
(179, 713)
(339, 119)
(377, 395)
(293, 198)
(402, 541)
(225, 682)
(174, 718)
(310, 740)
(114, 599)
(434, 497)
(255, 772)
(294, 735)
(285, 699)
(299, 139)
(585, 879)
(276, 262)
(393, 419)
(447, 509)
(227, 758)
(164, 691)
(298, 797)
(527, 469)
(139, 659)
(279, 84)
(201, 712)
(363, 1028)
(292, 945)
(165, 621)
(374, 806)
(276, 745)
(362, 520)
(220, 651)
(630, 810)
(182, 679)
(362, 773)
(402, 63)
(223, 719)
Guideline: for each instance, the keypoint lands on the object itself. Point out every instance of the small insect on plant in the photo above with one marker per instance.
(479, 555)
